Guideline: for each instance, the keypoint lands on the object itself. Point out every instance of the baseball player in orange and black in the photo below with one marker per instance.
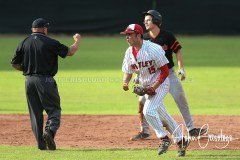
(169, 43)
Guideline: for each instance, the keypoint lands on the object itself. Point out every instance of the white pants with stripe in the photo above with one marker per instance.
(178, 94)
(156, 114)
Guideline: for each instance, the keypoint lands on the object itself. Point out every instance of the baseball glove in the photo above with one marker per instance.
(140, 90)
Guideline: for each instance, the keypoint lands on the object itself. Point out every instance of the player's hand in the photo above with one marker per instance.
(150, 91)
(125, 87)
(182, 73)
(77, 37)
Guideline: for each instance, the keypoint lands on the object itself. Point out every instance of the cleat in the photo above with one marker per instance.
(164, 144)
(140, 136)
(182, 147)
(197, 132)
(49, 140)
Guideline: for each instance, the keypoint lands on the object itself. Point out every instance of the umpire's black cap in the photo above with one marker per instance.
(40, 23)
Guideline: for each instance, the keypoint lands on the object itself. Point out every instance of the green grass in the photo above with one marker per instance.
(106, 53)
(90, 82)
(29, 153)
(91, 92)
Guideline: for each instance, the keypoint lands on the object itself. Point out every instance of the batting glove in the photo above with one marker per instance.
(182, 73)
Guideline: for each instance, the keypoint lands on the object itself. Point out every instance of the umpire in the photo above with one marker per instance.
(37, 57)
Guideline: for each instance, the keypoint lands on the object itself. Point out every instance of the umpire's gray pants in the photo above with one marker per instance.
(178, 95)
(42, 94)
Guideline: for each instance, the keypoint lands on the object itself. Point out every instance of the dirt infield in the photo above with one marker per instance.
(97, 132)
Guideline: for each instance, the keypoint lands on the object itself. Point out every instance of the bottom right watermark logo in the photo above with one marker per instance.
(222, 140)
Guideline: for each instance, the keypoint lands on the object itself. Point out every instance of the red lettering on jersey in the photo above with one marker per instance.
(134, 66)
(150, 62)
(140, 64)
(145, 64)
(151, 70)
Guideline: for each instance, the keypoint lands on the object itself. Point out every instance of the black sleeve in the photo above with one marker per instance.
(173, 43)
(18, 56)
(60, 49)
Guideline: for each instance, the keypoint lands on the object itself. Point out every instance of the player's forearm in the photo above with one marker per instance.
(73, 48)
(180, 65)
(179, 59)
(127, 77)
(163, 75)
(17, 67)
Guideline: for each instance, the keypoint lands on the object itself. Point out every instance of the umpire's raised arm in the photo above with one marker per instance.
(74, 47)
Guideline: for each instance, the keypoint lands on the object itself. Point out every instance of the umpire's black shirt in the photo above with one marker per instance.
(168, 42)
(38, 55)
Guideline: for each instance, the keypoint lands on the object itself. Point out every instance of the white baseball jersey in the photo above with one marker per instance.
(149, 58)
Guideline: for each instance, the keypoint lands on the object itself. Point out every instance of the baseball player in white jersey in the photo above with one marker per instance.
(148, 60)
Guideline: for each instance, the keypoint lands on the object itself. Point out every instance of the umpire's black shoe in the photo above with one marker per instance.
(49, 140)
(42, 148)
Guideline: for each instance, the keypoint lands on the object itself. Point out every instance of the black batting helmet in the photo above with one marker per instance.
(157, 18)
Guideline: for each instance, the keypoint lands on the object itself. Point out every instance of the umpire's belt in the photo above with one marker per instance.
(39, 75)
